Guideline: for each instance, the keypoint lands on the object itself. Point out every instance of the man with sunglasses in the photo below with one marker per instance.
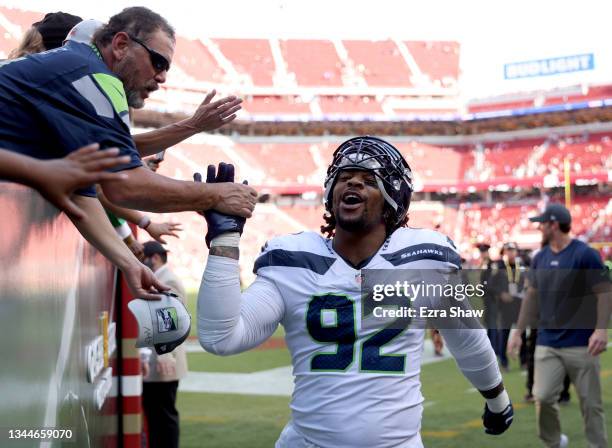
(55, 102)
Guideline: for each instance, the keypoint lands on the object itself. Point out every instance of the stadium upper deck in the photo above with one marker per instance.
(292, 79)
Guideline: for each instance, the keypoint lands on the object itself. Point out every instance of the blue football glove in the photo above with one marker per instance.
(496, 424)
(219, 223)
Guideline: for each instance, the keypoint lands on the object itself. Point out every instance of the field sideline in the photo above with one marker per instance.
(451, 417)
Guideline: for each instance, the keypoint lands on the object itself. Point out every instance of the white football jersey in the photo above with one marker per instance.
(356, 385)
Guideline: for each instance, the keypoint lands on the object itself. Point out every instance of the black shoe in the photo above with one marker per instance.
(564, 399)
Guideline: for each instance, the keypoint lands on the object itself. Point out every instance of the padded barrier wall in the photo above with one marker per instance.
(59, 332)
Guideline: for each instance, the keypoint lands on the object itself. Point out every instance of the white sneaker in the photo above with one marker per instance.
(564, 441)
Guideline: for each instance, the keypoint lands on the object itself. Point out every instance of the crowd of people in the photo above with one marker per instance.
(65, 102)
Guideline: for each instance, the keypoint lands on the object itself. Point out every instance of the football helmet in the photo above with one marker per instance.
(373, 154)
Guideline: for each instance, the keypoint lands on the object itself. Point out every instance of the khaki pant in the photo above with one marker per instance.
(551, 365)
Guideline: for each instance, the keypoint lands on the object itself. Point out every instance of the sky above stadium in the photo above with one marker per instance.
(492, 33)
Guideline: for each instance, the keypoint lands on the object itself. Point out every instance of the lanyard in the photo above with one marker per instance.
(513, 277)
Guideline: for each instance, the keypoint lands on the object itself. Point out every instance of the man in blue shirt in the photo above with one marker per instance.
(570, 292)
(55, 102)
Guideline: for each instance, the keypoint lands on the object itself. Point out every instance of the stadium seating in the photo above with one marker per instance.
(314, 62)
(380, 63)
(510, 158)
(20, 18)
(252, 57)
(438, 60)
(349, 105)
(586, 154)
(275, 105)
(195, 60)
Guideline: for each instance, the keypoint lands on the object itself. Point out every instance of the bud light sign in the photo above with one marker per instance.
(547, 67)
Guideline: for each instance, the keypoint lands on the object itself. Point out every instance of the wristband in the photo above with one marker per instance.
(227, 239)
(144, 222)
(499, 403)
(123, 230)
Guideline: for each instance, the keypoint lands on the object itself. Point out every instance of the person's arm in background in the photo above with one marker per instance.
(146, 190)
(207, 117)
(597, 278)
(96, 228)
(528, 317)
(156, 230)
(599, 339)
(57, 179)
(125, 233)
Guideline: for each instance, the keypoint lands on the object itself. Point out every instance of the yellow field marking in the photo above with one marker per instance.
(470, 424)
(476, 423)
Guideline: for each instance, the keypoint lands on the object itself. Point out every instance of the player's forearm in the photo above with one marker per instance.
(133, 216)
(145, 190)
(231, 321)
(529, 310)
(149, 143)
(98, 231)
(219, 301)
(474, 356)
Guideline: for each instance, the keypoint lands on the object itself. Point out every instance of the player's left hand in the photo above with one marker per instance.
(210, 116)
(497, 423)
(217, 222)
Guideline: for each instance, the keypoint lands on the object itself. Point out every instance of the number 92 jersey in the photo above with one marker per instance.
(356, 385)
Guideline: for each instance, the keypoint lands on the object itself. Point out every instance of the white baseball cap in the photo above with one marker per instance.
(83, 31)
(162, 324)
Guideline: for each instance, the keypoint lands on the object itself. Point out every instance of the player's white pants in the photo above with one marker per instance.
(290, 438)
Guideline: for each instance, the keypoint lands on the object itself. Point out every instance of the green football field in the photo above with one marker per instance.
(451, 417)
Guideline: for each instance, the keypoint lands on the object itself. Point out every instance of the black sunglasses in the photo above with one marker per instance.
(160, 63)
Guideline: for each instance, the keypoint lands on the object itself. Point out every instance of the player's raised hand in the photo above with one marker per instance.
(218, 222)
(210, 116)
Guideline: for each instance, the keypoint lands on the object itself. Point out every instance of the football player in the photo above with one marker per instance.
(356, 385)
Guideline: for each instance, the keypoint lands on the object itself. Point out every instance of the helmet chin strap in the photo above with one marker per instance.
(388, 198)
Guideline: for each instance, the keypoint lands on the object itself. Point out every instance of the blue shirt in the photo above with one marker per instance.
(567, 305)
(55, 102)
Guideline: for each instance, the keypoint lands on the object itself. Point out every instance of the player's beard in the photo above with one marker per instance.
(356, 224)
(125, 71)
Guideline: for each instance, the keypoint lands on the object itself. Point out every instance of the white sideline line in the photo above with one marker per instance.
(275, 382)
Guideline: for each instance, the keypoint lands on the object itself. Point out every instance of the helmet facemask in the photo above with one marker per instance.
(384, 161)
